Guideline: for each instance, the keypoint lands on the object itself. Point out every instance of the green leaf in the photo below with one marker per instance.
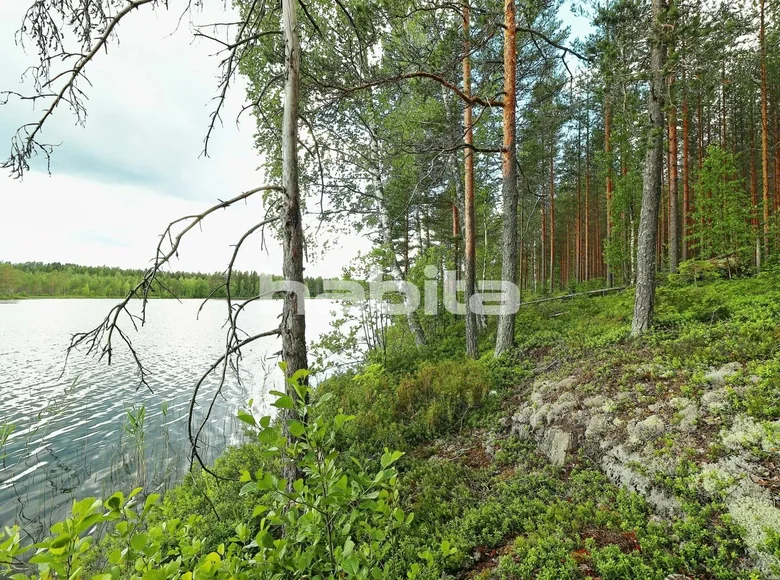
(284, 402)
(115, 501)
(138, 542)
(60, 542)
(247, 418)
(150, 501)
(296, 428)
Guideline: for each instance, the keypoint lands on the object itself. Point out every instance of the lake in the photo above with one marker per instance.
(77, 433)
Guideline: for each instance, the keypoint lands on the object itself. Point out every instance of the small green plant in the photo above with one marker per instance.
(134, 428)
(5, 433)
(337, 519)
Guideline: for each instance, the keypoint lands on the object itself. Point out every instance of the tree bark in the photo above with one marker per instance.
(293, 326)
(686, 168)
(470, 259)
(552, 219)
(764, 129)
(505, 338)
(644, 300)
(608, 161)
(674, 227)
(588, 262)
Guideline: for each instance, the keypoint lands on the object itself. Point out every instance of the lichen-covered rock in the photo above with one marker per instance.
(522, 432)
(539, 418)
(560, 410)
(597, 426)
(555, 445)
(523, 416)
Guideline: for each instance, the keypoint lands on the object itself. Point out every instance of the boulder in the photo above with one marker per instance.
(555, 445)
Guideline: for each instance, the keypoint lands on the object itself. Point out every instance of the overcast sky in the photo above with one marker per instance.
(116, 183)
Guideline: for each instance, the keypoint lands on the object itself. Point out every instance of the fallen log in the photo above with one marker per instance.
(601, 292)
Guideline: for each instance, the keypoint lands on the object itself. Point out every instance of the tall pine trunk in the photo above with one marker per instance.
(686, 178)
(552, 219)
(764, 129)
(644, 301)
(609, 181)
(468, 159)
(506, 323)
(674, 227)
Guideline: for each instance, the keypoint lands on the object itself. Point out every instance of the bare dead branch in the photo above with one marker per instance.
(45, 32)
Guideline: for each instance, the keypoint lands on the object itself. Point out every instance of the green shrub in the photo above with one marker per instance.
(437, 398)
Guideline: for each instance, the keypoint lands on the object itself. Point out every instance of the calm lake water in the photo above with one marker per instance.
(72, 436)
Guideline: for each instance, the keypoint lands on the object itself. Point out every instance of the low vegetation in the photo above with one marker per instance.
(410, 469)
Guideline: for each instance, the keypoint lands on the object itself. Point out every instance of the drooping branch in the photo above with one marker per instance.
(24, 144)
(99, 340)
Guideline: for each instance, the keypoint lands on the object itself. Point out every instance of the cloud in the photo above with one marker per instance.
(136, 165)
(148, 111)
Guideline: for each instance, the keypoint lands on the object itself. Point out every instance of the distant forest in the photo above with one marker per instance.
(72, 280)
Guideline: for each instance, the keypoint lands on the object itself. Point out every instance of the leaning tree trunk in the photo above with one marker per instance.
(293, 326)
(470, 260)
(506, 323)
(651, 178)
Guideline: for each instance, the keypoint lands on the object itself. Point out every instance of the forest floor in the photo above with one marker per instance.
(586, 454)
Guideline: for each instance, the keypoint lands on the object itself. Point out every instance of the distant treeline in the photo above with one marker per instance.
(38, 279)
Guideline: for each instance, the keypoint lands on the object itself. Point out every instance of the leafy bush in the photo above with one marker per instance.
(330, 522)
(694, 271)
(437, 398)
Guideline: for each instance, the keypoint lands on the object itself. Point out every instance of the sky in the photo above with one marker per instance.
(116, 182)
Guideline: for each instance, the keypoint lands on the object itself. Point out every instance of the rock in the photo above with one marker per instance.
(522, 432)
(718, 377)
(539, 417)
(597, 425)
(560, 410)
(555, 445)
(523, 416)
